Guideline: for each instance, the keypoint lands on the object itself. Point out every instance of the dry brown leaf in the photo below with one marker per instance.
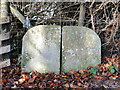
(81, 71)
(31, 80)
(113, 77)
(21, 81)
(105, 86)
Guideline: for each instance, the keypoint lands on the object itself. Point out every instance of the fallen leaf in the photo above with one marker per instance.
(73, 86)
(4, 80)
(79, 84)
(64, 76)
(81, 71)
(22, 80)
(89, 67)
(26, 77)
(99, 64)
(31, 80)
(105, 86)
(67, 85)
(85, 75)
(113, 77)
(72, 72)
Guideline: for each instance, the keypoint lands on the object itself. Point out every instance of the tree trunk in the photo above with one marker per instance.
(81, 14)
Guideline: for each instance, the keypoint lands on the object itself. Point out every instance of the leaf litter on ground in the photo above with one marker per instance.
(104, 75)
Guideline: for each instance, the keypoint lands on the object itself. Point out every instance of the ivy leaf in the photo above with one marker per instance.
(116, 68)
(93, 71)
(110, 67)
(112, 70)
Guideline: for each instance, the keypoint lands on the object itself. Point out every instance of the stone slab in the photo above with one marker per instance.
(4, 36)
(4, 49)
(81, 47)
(4, 63)
(4, 20)
(41, 49)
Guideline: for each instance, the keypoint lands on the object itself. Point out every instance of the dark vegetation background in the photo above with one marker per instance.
(102, 17)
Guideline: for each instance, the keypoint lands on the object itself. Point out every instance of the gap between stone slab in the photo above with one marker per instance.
(61, 49)
(0, 79)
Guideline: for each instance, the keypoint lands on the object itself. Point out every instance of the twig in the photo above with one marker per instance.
(92, 19)
(76, 13)
(68, 6)
(92, 4)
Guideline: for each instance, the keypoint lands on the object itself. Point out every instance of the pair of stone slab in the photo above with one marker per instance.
(81, 47)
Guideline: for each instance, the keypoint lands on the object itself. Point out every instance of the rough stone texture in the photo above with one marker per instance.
(81, 47)
(41, 49)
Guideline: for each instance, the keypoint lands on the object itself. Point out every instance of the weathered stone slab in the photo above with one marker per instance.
(81, 48)
(4, 63)
(5, 49)
(4, 20)
(41, 49)
(4, 36)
